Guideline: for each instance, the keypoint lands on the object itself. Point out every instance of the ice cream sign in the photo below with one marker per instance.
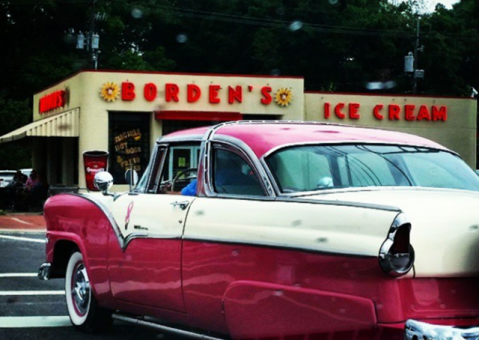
(391, 112)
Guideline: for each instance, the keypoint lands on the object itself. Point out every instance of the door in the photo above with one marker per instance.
(145, 258)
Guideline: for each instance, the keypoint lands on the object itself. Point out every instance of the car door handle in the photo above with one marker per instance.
(183, 205)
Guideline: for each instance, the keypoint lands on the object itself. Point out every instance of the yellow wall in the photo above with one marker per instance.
(84, 92)
(457, 132)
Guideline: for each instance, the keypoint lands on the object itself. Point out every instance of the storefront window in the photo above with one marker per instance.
(129, 143)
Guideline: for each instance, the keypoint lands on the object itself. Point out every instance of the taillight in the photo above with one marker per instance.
(396, 256)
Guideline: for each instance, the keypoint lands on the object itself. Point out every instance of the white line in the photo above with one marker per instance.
(32, 292)
(18, 275)
(17, 238)
(19, 220)
(34, 321)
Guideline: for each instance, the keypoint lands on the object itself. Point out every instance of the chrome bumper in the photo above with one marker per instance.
(44, 271)
(416, 330)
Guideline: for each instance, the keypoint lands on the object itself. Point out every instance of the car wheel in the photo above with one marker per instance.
(83, 309)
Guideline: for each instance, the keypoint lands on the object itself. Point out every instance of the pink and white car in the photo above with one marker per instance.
(294, 230)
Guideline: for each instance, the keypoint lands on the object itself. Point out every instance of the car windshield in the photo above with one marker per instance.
(319, 167)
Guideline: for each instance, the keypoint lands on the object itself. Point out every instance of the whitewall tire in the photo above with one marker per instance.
(83, 309)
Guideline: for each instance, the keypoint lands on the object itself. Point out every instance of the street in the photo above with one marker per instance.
(34, 309)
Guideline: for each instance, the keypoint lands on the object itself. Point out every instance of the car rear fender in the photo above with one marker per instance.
(261, 310)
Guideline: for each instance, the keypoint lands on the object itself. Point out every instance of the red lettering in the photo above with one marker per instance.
(266, 92)
(376, 110)
(327, 110)
(193, 93)
(409, 112)
(52, 101)
(235, 94)
(394, 111)
(353, 111)
(127, 91)
(171, 92)
(337, 110)
(60, 98)
(439, 113)
(423, 113)
(150, 91)
(214, 89)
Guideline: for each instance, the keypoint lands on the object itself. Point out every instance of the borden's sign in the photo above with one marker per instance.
(52, 101)
(192, 93)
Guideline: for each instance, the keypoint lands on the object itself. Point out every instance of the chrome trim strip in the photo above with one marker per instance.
(273, 245)
(354, 142)
(183, 138)
(340, 203)
(146, 235)
(158, 326)
(422, 330)
(111, 219)
(325, 192)
(124, 241)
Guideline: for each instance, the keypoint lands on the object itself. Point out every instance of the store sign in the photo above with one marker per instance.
(192, 93)
(391, 112)
(52, 101)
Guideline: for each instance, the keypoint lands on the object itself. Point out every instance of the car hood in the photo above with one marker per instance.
(445, 225)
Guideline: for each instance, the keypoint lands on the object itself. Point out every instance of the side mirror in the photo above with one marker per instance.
(131, 177)
(103, 181)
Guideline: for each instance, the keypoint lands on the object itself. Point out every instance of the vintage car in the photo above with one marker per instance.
(295, 230)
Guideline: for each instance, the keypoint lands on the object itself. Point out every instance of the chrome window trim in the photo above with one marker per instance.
(242, 148)
(354, 142)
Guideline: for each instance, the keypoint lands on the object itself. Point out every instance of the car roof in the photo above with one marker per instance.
(263, 137)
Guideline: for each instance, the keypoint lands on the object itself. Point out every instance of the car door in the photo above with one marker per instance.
(145, 267)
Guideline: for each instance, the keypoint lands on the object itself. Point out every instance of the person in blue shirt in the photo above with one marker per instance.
(190, 189)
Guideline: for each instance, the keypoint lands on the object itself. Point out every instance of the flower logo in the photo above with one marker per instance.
(110, 92)
(283, 97)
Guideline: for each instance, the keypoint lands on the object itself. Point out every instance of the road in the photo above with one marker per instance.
(33, 309)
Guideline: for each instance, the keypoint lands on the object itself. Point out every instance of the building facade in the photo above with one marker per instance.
(124, 113)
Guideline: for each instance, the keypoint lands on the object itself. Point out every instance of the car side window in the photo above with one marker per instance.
(180, 168)
(233, 175)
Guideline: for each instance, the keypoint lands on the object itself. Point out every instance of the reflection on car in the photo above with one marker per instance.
(295, 230)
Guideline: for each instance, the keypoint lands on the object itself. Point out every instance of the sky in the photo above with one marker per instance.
(431, 4)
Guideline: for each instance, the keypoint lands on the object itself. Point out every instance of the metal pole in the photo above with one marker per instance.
(92, 29)
(416, 46)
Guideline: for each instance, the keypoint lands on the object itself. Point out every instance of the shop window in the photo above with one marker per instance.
(129, 143)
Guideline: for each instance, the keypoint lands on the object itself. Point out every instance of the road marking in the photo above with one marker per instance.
(32, 292)
(18, 238)
(34, 321)
(19, 220)
(18, 274)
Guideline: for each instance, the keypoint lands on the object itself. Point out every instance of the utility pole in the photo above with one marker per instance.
(90, 40)
(416, 46)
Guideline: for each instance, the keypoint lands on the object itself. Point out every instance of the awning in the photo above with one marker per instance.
(62, 125)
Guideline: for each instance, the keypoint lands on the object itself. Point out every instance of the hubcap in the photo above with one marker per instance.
(81, 289)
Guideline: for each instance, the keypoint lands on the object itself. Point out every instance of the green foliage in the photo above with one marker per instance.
(16, 114)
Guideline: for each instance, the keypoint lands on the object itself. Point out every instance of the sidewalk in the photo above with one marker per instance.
(20, 221)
